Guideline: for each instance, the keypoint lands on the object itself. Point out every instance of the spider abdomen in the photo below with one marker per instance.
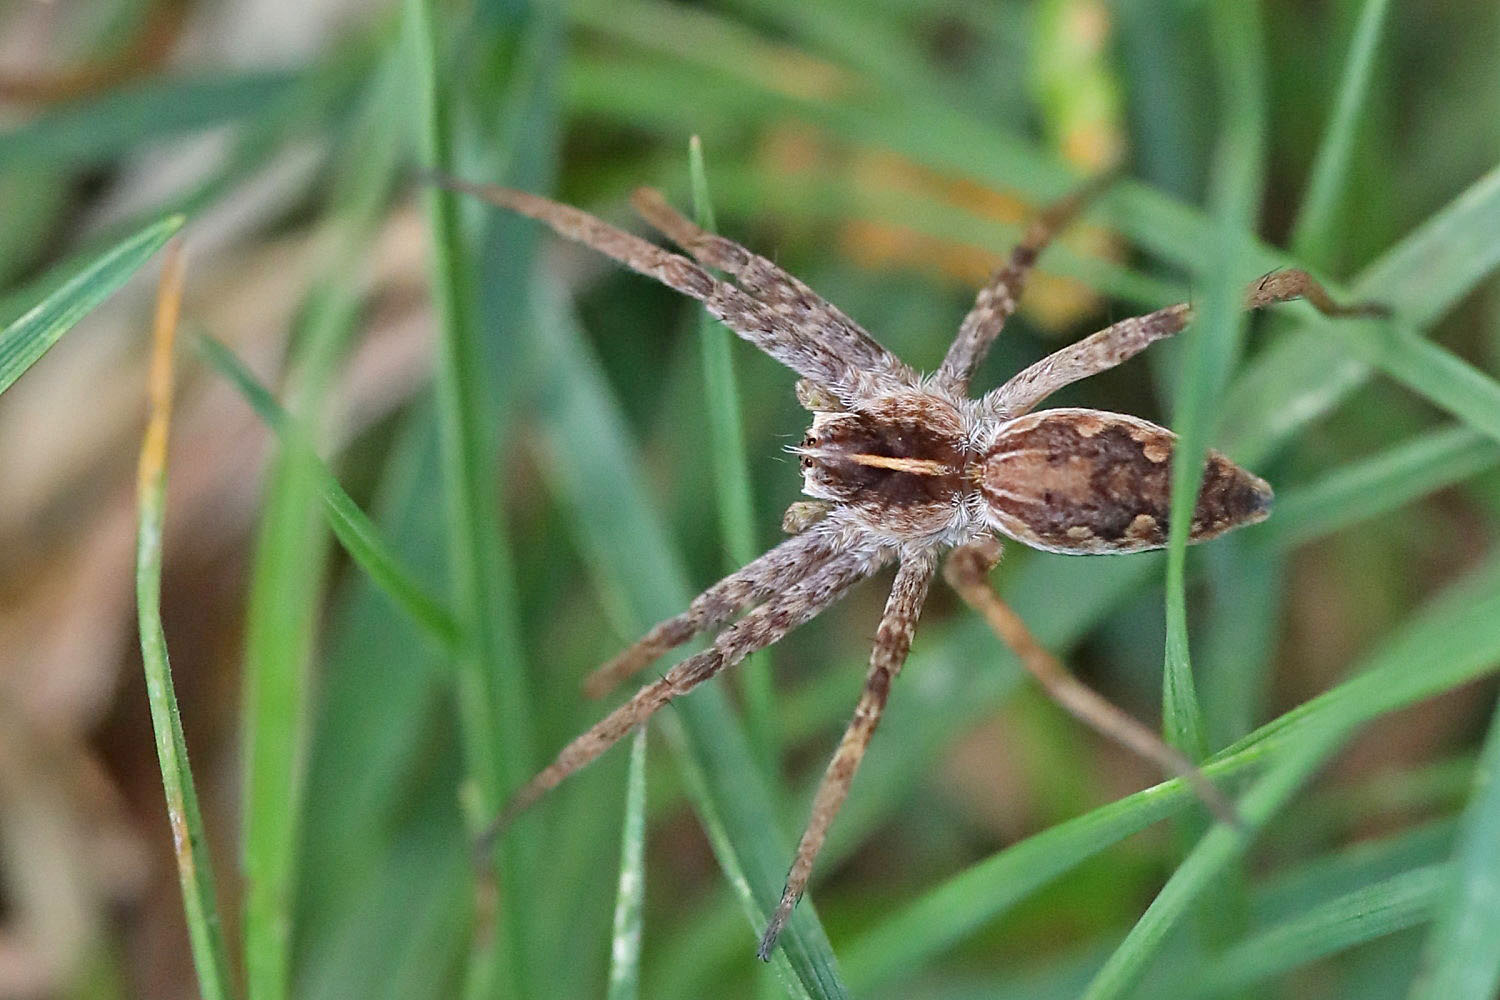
(1087, 481)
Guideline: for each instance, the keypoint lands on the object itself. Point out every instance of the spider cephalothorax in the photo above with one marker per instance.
(903, 468)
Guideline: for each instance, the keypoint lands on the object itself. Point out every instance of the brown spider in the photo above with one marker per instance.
(903, 466)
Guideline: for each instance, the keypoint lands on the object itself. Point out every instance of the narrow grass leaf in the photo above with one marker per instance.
(1212, 342)
(630, 895)
(1304, 749)
(641, 575)
(492, 699)
(1317, 219)
(353, 528)
(34, 332)
(281, 623)
(1377, 485)
(726, 436)
(1461, 960)
(194, 869)
(1366, 914)
(93, 130)
(1428, 369)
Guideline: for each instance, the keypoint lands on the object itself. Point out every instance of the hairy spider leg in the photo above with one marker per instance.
(1127, 338)
(771, 285)
(892, 643)
(757, 630)
(776, 570)
(997, 300)
(773, 332)
(967, 570)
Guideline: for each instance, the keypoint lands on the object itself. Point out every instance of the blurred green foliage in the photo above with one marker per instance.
(555, 489)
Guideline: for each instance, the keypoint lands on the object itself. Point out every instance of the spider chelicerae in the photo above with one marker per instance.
(902, 467)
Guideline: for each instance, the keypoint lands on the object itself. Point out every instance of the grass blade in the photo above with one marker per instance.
(287, 580)
(353, 528)
(34, 332)
(1311, 371)
(1211, 344)
(1461, 959)
(495, 725)
(625, 947)
(1377, 484)
(1365, 914)
(94, 130)
(726, 435)
(194, 869)
(1428, 369)
(1317, 220)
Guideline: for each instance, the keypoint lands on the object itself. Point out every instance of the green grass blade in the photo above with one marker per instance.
(1461, 960)
(286, 586)
(353, 528)
(625, 946)
(1393, 904)
(726, 436)
(1450, 643)
(1317, 220)
(194, 869)
(1376, 485)
(1212, 342)
(631, 553)
(1428, 369)
(495, 724)
(94, 130)
(34, 332)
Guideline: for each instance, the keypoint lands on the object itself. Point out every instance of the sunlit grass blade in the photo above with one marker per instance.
(630, 551)
(1378, 484)
(32, 333)
(726, 435)
(1318, 216)
(353, 528)
(630, 895)
(1461, 960)
(1453, 641)
(194, 868)
(1396, 903)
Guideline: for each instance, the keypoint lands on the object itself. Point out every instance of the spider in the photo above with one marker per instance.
(901, 467)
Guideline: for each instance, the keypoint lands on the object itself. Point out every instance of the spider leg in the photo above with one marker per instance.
(774, 571)
(968, 571)
(772, 331)
(773, 286)
(997, 300)
(892, 642)
(757, 630)
(1123, 340)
